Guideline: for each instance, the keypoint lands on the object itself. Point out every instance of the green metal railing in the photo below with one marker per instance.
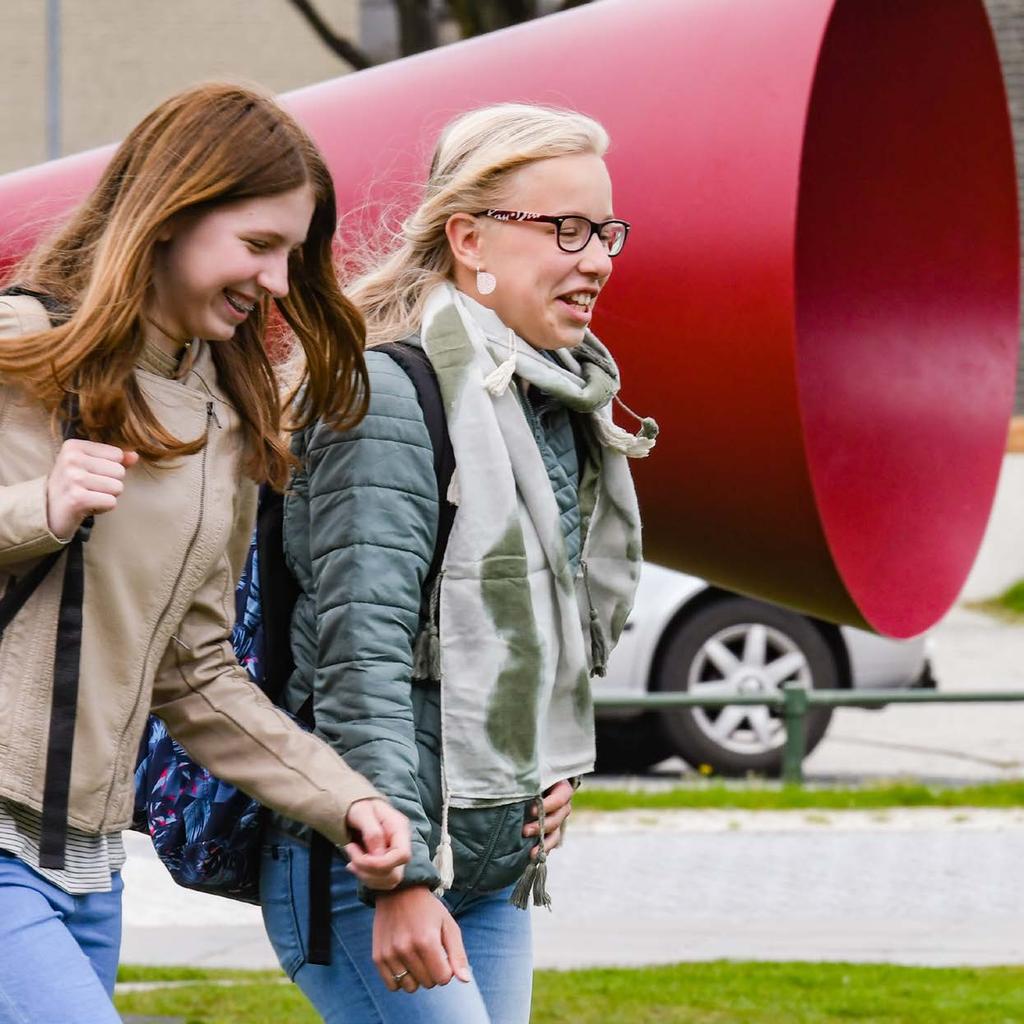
(794, 702)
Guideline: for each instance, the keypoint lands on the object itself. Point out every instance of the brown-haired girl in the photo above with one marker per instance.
(138, 411)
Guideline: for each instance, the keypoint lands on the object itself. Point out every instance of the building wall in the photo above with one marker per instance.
(1007, 17)
(1000, 561)
(119, 58)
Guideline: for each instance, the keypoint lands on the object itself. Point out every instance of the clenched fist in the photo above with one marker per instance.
(86, 479)
(381, 846)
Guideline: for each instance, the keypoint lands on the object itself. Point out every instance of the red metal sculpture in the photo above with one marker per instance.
(820, 300)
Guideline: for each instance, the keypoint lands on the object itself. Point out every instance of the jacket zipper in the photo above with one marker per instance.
(211, 417)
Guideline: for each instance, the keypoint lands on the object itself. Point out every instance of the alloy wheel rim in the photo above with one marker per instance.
(745, 658)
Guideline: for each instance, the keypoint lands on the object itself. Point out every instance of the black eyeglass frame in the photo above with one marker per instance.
(518, 216)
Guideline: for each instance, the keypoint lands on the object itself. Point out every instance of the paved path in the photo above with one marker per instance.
(916, 887)
(908, 887)
(945, 741)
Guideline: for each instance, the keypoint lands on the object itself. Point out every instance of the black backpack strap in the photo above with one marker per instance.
(67, 652)
(278, 593)
(22, 589)
(56, 309)
(64, 707)
(321, 853)
(415, 362)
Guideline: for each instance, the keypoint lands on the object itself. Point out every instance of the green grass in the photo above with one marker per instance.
(769, 797)
(1008, 605)
(129, 972)
(722, 992)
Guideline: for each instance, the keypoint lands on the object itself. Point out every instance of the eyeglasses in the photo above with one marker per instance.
(573, 233)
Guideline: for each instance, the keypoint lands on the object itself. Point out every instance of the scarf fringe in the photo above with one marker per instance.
(598, 641)
(454, 494)
(444, 856)
(535, 877)
(444, 861)
(633, 446)
(498, 380)
(598, 646)
(426, 659)
(426, 656)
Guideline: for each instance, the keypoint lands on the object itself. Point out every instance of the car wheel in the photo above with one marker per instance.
(741, 646)
(631, 744)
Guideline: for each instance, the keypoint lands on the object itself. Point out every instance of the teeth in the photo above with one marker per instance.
(581, 299)
(241, 306)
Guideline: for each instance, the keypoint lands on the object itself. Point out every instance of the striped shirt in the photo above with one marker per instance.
(89, 862)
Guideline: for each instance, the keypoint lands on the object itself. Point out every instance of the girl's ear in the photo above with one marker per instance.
(170, 227)
(463, 232)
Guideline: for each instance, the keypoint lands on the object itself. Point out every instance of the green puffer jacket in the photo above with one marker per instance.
(360, 526)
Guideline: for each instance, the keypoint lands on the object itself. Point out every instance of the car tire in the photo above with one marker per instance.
(629, 745)
(740, 645)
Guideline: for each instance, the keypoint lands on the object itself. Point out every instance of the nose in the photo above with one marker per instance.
(273, 276)
(594, 259)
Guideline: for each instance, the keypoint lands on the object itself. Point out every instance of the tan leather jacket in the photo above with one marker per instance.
(160, 574)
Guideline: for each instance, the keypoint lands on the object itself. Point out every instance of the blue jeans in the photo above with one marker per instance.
(58, 953)
(497, 937)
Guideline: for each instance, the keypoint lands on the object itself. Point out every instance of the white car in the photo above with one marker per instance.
(686, 634)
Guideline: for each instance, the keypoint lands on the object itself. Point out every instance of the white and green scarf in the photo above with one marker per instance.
(519, 636)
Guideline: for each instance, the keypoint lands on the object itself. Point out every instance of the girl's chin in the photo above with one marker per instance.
(560, 336)
(220, 330)
(570, 338)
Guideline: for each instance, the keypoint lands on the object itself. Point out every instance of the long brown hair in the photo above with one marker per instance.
(211, 144)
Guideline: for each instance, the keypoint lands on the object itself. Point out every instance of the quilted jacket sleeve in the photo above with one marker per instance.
(372, 499)
(229, 725)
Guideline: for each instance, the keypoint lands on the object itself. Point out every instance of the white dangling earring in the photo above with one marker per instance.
(485, 283)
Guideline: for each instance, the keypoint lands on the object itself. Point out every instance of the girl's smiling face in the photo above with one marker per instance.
(545, 295)
(212, 269)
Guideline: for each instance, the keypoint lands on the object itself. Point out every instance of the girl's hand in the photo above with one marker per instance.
(87, 479)
(557, 807)
(416, 941)
(380, 846)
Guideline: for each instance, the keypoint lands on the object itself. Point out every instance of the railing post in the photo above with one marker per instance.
(794, 709)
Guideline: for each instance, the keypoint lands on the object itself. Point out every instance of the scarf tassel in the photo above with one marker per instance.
(633, 446)
(444, 861)
(598, 641)
(598, 646)
(535, 877)
(426, 652)
(444, 857)
(498, 380)
(426, 659)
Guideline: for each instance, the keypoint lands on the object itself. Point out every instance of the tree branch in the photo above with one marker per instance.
(417, 26)
(342, 47)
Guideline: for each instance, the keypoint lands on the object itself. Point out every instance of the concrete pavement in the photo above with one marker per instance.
(937, 887)
(908, 886)
(956, 742)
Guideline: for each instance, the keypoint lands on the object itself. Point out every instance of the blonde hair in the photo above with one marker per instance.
(474, 157)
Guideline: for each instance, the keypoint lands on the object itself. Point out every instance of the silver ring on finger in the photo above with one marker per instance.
(399, 977)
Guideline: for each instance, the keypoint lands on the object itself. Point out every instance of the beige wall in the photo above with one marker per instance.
(121, 57)
(1007, 17)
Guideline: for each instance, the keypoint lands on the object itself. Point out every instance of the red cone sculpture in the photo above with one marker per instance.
(819, 301)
